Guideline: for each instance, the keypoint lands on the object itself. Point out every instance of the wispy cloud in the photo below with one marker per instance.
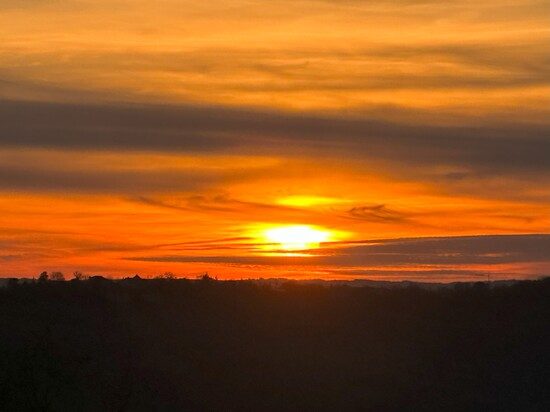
(376, 213)
(459, 251)
(503, 149)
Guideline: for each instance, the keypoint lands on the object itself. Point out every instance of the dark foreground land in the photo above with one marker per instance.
(171, 345)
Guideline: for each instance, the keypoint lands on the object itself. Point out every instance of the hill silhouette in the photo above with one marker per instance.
(170, 345)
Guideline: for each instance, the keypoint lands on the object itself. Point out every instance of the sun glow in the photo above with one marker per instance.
(299, 237)
(308, 201)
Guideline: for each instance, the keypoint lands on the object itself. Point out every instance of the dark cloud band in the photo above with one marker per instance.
(481, 149)
(457, 251)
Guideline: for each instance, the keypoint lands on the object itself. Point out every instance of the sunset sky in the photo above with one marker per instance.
(333, 139)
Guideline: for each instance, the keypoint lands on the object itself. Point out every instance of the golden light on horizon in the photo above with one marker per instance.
(297, 237)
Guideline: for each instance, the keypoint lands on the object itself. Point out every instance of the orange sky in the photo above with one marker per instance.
(409, 139)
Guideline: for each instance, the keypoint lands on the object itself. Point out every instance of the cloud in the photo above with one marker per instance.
(487, 250)
(400, 273)
(502, 149)
(376, 213)
(464, 250)
(31, 178)
(452, 65)
(136, 174)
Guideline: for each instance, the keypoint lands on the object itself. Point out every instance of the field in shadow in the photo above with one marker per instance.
(170, 345)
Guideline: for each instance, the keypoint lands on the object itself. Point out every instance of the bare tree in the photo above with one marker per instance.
(166, 275)
(57, 276)
(78, 275)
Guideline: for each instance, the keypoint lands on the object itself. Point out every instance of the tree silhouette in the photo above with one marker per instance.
(78, 275)
(206, 278)
(57, 276)
(101, 344)
(166, 275)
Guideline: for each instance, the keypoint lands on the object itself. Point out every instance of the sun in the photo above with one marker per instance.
(298, 237)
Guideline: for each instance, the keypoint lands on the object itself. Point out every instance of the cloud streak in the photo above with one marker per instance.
(502, 149)
(458, 251)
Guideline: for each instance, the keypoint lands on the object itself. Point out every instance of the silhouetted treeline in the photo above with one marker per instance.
(171, 345)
